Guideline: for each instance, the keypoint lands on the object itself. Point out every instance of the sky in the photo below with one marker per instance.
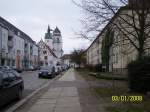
(34, 16)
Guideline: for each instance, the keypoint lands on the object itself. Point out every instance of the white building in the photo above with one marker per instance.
(122, 52)
(93, 52)
(57, 43)
(47, 56)
(51, 48)
(3, 44)
(16, 47)
(66, 59)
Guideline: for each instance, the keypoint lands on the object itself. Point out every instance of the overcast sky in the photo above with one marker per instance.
(33, 17)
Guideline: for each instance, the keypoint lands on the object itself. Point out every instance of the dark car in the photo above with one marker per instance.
(19, 70)
(47, 72)
(11, 86)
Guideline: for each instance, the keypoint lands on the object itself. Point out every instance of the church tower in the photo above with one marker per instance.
(48, 38)
(57, 43)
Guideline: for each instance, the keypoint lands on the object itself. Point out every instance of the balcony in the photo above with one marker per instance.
(3, 54)
(10, 43)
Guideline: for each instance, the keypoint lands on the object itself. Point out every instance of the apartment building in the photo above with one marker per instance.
(16, 47)
(93, 53)
(47, 56)
(122, 52)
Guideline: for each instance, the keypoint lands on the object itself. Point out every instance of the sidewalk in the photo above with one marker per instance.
(68, 94)
(59, 99)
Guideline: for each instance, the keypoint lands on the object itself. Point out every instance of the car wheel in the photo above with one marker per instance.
(19, 97)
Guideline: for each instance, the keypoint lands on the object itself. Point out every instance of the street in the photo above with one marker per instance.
(75, 56)
(70, 93)
(31, 83)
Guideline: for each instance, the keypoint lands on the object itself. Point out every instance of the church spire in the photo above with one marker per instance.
(48, 35)
(57, 30)
(48, 30)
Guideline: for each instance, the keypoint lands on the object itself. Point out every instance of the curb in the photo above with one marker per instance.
(24, 100)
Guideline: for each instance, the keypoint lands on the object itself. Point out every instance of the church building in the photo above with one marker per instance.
(51, 48)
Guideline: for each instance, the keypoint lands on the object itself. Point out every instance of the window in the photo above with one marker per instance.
(97, 51)
(58, 40)
(45, 57)
(44, 52)
(117, 58)
(148, 52)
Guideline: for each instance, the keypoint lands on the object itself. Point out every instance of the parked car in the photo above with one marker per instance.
(65, 67)
(58, 69)
(31, 68)
(5, 67)
(47, 72)
(11, 86)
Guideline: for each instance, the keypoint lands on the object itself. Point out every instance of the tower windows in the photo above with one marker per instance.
(45, 57)
(57, 40)
(44, 52)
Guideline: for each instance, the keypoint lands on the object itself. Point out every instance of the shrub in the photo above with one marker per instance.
(96, 68)
(139, 75)
(89, 67)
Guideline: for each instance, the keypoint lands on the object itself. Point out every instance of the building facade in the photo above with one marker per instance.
(47, 56)
(15, 46)
(93, 53)
(122, 52)
(66, 59)
(51, 48)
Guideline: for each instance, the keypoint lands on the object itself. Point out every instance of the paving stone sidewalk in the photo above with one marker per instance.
(59, 99)
(71, 93)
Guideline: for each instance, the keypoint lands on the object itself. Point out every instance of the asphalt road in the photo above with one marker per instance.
(31, 83)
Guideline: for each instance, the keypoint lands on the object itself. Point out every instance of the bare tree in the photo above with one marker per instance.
(78, 57)
(130, 17)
